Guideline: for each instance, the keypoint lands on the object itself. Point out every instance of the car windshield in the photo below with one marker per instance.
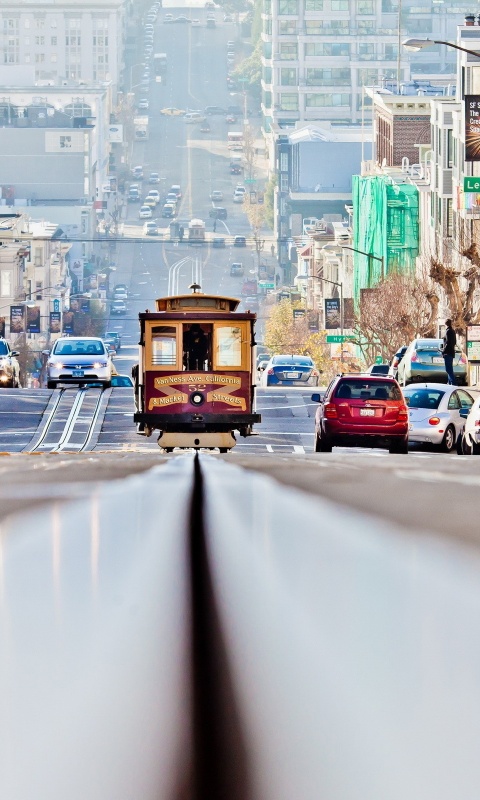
(355, 389)
(79, 347)
(3, 349)
(423, 398)
(121, 380)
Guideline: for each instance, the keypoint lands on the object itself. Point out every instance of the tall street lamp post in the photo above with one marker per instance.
(414, 45)
(370, 256)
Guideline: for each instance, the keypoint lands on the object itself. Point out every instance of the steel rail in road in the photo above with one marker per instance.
(198, 632)
(75, 423)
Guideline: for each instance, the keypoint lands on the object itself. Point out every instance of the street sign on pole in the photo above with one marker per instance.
(56, 305)
(339, 339)
(266, 285)
(471, 184)
(250, 180)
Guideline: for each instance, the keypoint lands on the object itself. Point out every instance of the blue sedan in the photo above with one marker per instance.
(289, 370)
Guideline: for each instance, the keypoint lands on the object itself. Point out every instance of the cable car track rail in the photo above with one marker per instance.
(71, 421)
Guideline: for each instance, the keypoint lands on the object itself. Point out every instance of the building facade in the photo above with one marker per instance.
(67, 42)
(317, 55)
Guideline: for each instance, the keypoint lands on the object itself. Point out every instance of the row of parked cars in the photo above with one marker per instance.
(421, 361)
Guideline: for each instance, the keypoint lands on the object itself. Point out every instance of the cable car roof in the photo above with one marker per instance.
(197, 302)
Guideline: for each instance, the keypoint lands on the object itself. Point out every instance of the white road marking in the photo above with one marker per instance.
(297, 448)
(269, 448)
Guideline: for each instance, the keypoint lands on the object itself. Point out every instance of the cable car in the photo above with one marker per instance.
(195, 381)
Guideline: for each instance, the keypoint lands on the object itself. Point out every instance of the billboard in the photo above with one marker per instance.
(17, 319)
(33, 319)
(115, 133)
(332, 313)
(472, 127)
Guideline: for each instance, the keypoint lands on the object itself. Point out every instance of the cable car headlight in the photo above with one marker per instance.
(197, 398)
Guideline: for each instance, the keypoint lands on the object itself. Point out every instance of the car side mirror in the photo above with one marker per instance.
(317, 398)
(464, 412)
(45, 352)
(15, 353)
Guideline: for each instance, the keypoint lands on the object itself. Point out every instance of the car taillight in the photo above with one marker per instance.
(414, 357)
(395, 362)
(315, 373)
(331, 411)
(403, 412)
(477, 423)
(434, 421)
(270, 372)
(462, 359)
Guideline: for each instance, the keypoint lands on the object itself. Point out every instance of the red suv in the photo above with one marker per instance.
(365, 411)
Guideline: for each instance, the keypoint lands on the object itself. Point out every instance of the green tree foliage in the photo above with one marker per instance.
(284, 334)
(257, 23)
(249, 72)
(269, 201)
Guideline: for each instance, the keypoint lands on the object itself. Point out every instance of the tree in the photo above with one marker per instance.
(269, 201)
(285, 334)
(460, 287)
(393, 313)
(249, 71)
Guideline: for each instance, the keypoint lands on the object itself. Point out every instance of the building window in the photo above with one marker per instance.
(288, 77)
(66, 142)
(449, 213)
(366, 26)
(313, 26)
(27, 23)
(339, 5)
(40, 40)
(267, 26)
(6, 283)
(267, 49)
(288, 102)
(53, 58)
(288, 51)
(283, 162)
(449, 148)
(289, 7)
(391, 52)
(53, 41)
(365, 7)
(313, 5)
(328, 77)
(39, 22)
(284, 183)
(39, 58)
(287, 27)
(26, 41)
(326, 100)
(267, 74)
(367, 77)
(327, 49)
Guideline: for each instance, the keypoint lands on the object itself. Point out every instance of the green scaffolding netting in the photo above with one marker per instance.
(385, 224)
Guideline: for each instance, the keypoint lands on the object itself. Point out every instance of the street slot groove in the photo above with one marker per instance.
(71, 421)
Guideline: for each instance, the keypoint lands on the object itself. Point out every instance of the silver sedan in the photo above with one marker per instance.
(434, 413)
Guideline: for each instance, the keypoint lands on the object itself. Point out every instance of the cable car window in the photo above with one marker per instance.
(228, 346)
(164, 346)
(197, 340)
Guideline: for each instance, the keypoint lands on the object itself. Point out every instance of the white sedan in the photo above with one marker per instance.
(145, 212)
(434, 413)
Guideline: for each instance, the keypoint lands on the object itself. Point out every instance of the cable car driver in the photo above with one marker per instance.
(195, 348)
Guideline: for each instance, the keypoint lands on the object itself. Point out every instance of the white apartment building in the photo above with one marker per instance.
(317, 55)
(65, 41)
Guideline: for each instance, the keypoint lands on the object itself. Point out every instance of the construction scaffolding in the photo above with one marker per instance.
(385, 224)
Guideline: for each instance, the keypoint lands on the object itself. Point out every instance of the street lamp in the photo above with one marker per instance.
(368, 255)
(415, 45)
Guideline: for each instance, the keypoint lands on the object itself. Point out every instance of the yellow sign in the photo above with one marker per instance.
(173, 396)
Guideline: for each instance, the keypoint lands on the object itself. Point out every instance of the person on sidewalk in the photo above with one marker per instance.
(448, 351)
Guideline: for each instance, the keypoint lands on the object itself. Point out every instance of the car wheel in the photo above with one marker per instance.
(51, 384)
(324, 445)
(316, 446)
(400, 447)
(475, 449)
(107, 384)
(461, 445)
(448, 442)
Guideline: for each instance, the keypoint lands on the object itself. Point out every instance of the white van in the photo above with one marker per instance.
(194, 116)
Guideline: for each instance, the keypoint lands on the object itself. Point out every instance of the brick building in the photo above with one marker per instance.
(401, 124)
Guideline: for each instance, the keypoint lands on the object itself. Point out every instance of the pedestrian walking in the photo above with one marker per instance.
(272, 250)
(448, 351)
(214, 225)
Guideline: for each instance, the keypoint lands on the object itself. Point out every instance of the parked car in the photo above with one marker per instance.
(238, 197)
(434, 413)
(239, 241)
(358, 411)
(145, 211)
(216, 196)
(217, 213)
(236, 268)
(9, 367)
(423, 361)
(78, 360)
(289, 370)
(193, 116)
(168, 18)
(378, 369)
(396, 360)
(468, 441)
